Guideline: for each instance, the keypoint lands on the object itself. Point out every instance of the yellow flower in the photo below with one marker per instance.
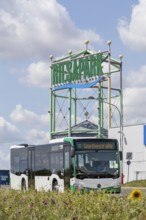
(135, 194)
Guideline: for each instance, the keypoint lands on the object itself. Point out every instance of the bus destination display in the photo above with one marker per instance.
(95, 146)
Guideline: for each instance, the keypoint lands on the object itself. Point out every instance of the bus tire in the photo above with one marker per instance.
(55, 186)
(23, 185)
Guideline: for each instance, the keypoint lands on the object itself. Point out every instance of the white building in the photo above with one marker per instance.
(134, 150)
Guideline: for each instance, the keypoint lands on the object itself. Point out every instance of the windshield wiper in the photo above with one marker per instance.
(107, 175)
(85, 170)
(82, 173)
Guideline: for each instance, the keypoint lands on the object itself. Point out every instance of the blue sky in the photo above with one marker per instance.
(31, 30)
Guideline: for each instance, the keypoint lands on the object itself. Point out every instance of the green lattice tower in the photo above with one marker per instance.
(89, 69)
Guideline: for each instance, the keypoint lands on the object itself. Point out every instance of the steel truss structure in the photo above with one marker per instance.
(86, 86)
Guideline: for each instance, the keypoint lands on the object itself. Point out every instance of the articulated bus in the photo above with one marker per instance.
(75, 163)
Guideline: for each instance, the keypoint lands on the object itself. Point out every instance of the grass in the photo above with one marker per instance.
(70, 206)
(136, 183)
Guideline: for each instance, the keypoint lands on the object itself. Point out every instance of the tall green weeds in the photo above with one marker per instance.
(69, 206)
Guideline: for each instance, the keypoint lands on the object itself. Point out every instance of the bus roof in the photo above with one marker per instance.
(58, 140)
(73, 138)
(20, 146)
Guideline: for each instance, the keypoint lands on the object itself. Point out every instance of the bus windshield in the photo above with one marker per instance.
(101, 163)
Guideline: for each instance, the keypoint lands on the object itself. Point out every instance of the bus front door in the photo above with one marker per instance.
(66, 166)
(31, 169)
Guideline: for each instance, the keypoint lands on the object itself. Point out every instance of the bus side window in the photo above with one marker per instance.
(66, 159)
(12, 161)
(23, 160)
(16, 164)
(67, 168)
(57, 162)
(42, 159)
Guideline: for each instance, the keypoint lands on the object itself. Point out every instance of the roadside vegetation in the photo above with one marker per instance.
(136, 183)
(71, 206)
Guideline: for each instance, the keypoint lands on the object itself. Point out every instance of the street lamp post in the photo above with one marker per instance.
(121, 131)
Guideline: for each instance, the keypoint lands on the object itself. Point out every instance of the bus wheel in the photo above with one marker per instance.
(23, 186)
(55, 186)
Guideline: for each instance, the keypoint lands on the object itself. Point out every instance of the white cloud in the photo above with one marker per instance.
(37, 28)
(134, 96)
(4, 160)
(136, 78)
(134, 105)
(38, 75)
(4, 157)
(35, 136)
(28, 118)
(34, 127)
(8, 131)
(133, 33)
(37, 132)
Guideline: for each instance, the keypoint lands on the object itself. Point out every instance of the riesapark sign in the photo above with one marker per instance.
(76, 69)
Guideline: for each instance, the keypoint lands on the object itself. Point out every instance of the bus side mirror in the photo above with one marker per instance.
(72, 152)
(121, 155)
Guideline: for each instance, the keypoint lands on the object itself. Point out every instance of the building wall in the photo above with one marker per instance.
(134, 150)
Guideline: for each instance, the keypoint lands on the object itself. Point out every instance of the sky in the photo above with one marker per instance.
(32, 30)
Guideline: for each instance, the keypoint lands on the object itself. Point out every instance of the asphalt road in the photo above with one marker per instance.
(124, 190)
(127, 190)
